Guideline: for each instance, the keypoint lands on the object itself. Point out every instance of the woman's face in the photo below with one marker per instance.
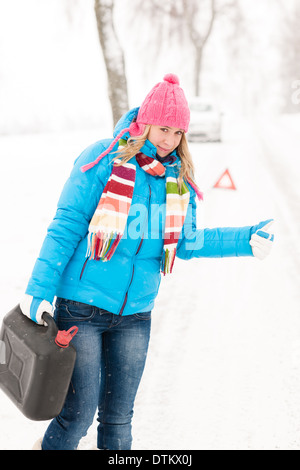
(165, 139)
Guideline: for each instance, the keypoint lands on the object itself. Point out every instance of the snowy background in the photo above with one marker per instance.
(223, 370)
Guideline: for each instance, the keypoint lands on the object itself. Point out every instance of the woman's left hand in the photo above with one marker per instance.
(262, 240)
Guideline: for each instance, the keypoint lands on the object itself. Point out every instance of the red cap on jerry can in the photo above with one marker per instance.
(63, 338)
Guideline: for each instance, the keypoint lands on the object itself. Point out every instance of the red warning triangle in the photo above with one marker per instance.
(225, 181)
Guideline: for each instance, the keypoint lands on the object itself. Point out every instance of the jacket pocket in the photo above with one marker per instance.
(83, 269)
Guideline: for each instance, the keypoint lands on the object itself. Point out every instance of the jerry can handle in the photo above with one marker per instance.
(62, 337)
(52, 328)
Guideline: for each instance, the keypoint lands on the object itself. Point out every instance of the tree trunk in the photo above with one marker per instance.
(197, 71)
(199, 39)
(113, 58)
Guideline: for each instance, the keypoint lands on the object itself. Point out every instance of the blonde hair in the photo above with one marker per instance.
(134, 144)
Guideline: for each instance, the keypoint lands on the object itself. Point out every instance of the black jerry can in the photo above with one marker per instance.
(36, 364)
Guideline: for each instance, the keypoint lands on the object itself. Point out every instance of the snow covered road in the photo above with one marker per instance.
(223, 370)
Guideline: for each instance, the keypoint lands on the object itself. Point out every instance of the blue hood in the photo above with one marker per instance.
(125, 121)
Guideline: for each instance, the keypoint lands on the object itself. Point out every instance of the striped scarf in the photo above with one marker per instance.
(109, 220)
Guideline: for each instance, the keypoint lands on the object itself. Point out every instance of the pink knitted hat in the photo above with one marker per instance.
(165, 105)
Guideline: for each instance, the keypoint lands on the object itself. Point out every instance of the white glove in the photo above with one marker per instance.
(262, 240)
(34, 307)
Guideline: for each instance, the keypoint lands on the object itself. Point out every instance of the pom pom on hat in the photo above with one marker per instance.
(136, 129)
(171, 78)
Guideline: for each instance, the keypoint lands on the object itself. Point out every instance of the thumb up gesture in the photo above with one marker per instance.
(262, 239)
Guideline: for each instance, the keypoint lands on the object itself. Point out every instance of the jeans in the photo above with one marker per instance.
(111, 355)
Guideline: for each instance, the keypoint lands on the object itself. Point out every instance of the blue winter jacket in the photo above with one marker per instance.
(129, 282)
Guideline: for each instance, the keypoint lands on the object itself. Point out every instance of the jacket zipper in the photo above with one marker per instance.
(137, 251)
(126, 295)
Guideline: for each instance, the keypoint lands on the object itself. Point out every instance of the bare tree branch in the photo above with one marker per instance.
(184, 22)
(198, 38)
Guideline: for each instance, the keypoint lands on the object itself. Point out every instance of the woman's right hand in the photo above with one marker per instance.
(34, 307)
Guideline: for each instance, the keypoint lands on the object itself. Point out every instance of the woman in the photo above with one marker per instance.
(126, 211)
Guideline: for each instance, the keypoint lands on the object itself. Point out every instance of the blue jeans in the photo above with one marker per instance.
(111, 355)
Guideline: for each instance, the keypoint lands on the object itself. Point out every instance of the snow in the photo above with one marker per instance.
(223, 370)
(51, 67)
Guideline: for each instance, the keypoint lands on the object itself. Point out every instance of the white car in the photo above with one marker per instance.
(206, 121)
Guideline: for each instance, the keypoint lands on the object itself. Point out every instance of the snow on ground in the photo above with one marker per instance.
(223, 370)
